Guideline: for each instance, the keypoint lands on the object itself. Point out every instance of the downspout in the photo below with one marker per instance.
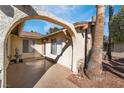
(85, 55)
(72, 59)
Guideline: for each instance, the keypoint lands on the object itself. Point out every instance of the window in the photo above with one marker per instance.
(59, 46)
(27, 46)
(53, 47)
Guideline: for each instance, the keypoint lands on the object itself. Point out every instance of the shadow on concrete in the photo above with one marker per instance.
(115, 66)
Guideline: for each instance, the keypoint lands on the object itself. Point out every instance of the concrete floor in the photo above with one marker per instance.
(56, 77)
(26, 74)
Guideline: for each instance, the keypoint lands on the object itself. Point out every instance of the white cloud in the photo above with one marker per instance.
(59, 8)
(49, 25)
(67, 8)
(63, 11)
(69, 13)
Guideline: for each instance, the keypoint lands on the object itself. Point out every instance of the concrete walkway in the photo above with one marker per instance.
(56, 77)
(26, 74)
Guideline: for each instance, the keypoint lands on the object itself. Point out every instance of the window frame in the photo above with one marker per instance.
(54, 46)
(28, 46)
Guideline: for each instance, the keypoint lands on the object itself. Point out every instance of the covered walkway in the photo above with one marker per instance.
(28, 73)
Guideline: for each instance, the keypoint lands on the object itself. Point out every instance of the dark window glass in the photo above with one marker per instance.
(53, 47)
(28, 46)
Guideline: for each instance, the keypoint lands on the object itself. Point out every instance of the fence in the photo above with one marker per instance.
(115, 47)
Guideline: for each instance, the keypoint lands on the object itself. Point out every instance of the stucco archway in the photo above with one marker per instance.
(14, 15)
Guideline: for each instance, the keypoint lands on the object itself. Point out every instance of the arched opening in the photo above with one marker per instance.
(14, 26)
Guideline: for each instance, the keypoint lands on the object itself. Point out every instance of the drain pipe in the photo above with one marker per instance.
(72, 59)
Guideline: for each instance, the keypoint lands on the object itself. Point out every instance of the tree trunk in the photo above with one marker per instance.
(94, 66)
(109, 40)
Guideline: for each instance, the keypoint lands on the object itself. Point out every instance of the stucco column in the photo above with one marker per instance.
(76, 50)
(2, 74)
(3, 58)
(4, 24)
(76, 54)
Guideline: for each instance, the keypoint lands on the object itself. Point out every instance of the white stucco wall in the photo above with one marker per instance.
(48, 45)
(81, 48)
(17, 42)
(66, 58)
(38, 48)
(89, 43)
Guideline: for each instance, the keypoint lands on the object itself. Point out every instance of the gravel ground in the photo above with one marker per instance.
(112, 77)
(109, 81)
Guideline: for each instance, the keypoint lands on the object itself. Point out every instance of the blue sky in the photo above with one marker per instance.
(70, 13)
